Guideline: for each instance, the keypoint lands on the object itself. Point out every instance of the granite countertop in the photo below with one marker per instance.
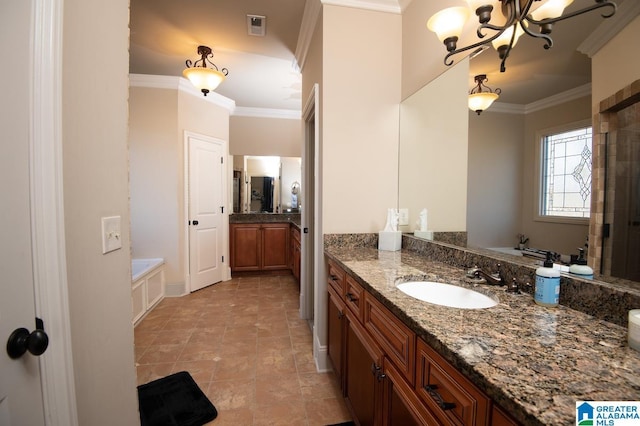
(293, 218)
(535, 362)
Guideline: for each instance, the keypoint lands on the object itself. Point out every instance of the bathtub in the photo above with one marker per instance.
(147, 286)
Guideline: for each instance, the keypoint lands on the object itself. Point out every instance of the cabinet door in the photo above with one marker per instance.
(395, 338)
(245, 247)
(275, 246)
(401, 406)
(363, 367)
(296, 260)
(335, 334)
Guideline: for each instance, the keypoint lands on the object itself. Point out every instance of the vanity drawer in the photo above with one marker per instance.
(393, 336)
(354, 297)
(449, 395)
(335, 278)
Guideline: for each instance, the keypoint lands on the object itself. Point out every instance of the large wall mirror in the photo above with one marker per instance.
(266, 184)
(505, 201)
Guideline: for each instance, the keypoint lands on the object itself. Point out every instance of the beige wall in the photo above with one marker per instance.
(265, 136)
(361, 95)
(96, 184)
(155, 170)
(616, 64)
(496, 159)
(158, 120)
(560, 237)
(422, 52)
(433, 152)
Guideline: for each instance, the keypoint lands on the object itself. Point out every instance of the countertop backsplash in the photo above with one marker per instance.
(603, 300)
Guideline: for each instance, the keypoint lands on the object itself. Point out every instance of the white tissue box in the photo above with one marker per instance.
(427, 235)
(389, 240)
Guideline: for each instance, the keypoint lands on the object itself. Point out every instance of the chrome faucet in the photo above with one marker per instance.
(494, 278)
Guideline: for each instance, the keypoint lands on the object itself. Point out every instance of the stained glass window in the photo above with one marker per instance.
(566, 174)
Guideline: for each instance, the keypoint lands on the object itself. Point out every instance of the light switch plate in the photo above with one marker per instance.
(403, 218)
(111, 237)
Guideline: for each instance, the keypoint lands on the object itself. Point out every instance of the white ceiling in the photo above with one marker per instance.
(262, 73)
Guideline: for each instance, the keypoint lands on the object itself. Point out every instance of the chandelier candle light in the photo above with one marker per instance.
(513, 18)
(205, 79)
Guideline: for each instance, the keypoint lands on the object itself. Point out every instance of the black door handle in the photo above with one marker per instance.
(195, 222)
(21, 341)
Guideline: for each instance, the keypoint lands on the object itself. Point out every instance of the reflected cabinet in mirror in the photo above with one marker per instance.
(496, 200)
(266, 184)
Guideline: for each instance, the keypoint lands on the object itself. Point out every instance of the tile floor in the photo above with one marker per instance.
(244, 344)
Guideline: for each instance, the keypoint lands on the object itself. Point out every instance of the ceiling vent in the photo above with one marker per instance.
(256, 25)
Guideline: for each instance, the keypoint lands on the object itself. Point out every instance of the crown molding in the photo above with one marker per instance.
(289, 114)
(560, 98)
(610, 27)
(182, 85)
(557, 99)
(390, 6)
(309, 19)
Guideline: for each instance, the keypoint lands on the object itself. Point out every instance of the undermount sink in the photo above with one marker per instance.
(446, 295)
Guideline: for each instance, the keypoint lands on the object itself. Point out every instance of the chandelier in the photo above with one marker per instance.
(502, 29)
(481, 97)
(205, 79)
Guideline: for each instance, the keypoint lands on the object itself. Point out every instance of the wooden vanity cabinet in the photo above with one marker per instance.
(388, 375)
(259, 246)
(295, 250)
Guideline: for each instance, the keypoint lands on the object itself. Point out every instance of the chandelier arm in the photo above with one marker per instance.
(548, 40)
(600, 4)
(471, 46)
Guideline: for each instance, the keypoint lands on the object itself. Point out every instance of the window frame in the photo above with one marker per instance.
(539, 170)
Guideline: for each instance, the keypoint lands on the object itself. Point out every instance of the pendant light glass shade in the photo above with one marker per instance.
(448, 22)
(204, 78)
(481, 101)
(550, 9)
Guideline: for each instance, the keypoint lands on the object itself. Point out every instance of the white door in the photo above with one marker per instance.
(206, 209)
(21, 400)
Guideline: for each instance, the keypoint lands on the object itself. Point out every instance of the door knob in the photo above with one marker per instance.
(21, 341)
(195, 222)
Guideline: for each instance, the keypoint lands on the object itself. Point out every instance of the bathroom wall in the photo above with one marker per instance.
(265, 136)
(495, 166)
(433, 152)
(422, 52)
(560, 237)
(158, 120)
(94, 116)
(361, 96)
(616, 64)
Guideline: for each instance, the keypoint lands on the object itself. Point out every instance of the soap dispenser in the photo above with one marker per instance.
(547, 292)
(580, 268)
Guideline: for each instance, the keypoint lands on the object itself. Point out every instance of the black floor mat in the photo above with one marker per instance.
(175, 400)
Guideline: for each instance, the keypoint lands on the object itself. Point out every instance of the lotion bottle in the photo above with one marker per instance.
(547, 292)
(580, 268)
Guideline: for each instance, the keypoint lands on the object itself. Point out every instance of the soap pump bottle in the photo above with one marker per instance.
(547, 292)
(580, 268)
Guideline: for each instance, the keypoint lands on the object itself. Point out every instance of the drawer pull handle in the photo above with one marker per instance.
(351, 297)
(333, 278)
(340, 314)
(431, 389)
(375, 369)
